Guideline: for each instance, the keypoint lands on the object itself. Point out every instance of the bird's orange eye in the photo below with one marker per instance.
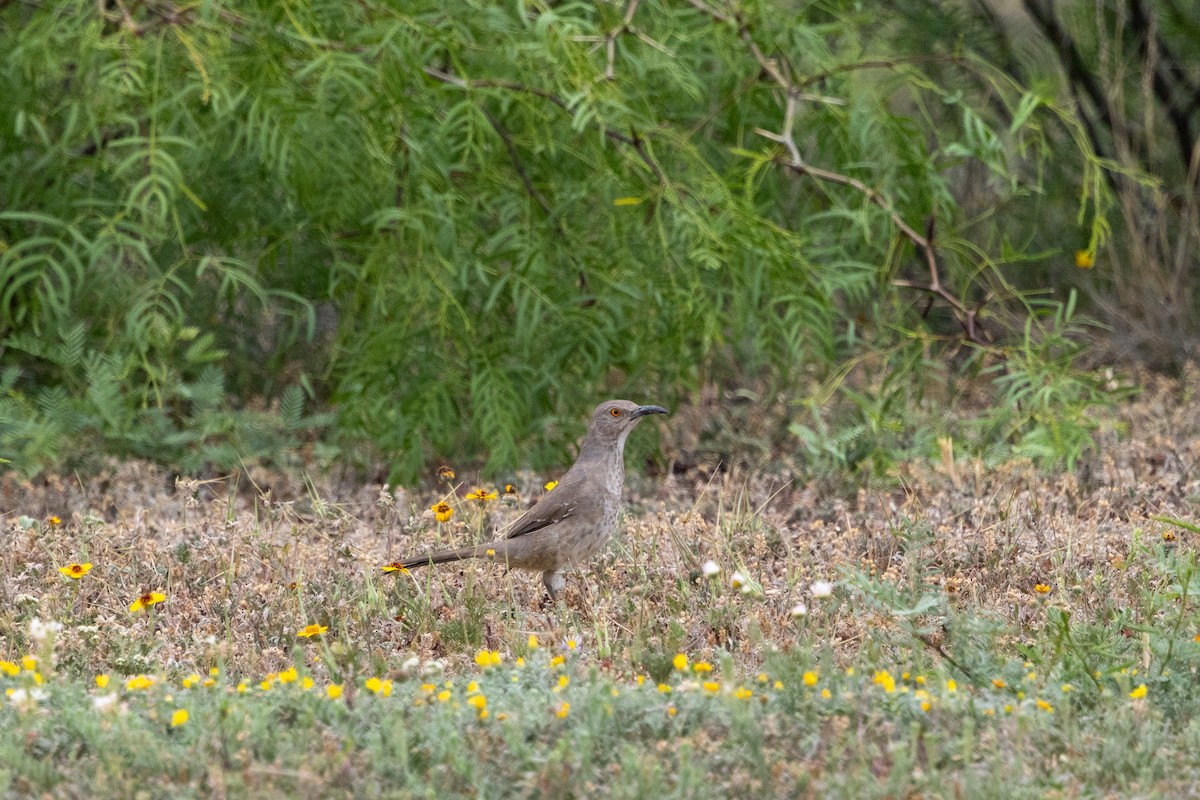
(616, 412)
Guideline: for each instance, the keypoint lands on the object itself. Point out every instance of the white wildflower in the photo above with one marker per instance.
(105, 702)
(41, 632)
(26, 698)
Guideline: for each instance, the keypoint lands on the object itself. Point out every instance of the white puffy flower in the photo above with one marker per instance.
(26, 697)
(434, 667)
(821, 589)
(710, 569)
(737, 580)
(411, 665)
(40, 631)
(799, 610)
(104, 702)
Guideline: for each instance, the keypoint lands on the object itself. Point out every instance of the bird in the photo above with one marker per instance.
(575, 520)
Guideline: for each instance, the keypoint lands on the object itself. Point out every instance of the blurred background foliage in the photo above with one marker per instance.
(403, 233)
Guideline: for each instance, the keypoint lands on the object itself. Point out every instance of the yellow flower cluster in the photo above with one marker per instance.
(488, 658)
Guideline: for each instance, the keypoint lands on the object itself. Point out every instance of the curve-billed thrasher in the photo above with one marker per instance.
(574, 521)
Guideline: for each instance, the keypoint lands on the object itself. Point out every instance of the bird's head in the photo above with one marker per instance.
(613, 419)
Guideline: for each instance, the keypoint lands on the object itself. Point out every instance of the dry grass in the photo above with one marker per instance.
(245, 563)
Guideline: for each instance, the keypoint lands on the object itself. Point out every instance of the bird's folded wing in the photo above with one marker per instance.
(552, 509)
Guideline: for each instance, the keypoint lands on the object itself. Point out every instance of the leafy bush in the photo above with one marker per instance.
(463, 226)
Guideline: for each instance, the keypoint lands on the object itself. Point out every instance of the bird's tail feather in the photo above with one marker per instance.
(440, 558)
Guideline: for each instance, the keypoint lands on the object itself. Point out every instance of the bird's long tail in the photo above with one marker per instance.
(441, 557)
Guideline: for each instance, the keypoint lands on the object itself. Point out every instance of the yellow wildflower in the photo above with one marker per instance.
(742, 693)
(532, 642)
(76, 571)
(147, 600)
(190, 681)
(482, 496)
(810, 678)
(179, 717)
(395, 566)
(309, 631)
(999, 683)
(702, 666)
(442, 511)
(102, 681)
(562, 709)
(550, 486)
(951, 686)
(884, 678)
(711, 686)
(1044, 706)
(446, 473)
(1139, 692)
(289, 675)
(1042, 588)
(333, 691)
(680, 661)
(664, 688)
(139, 682)
(1085, 259)
(9, 668)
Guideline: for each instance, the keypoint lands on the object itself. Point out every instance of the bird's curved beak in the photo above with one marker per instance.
(642, 411)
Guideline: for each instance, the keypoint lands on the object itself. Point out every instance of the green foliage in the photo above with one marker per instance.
(462, 225)
(1046, 402)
